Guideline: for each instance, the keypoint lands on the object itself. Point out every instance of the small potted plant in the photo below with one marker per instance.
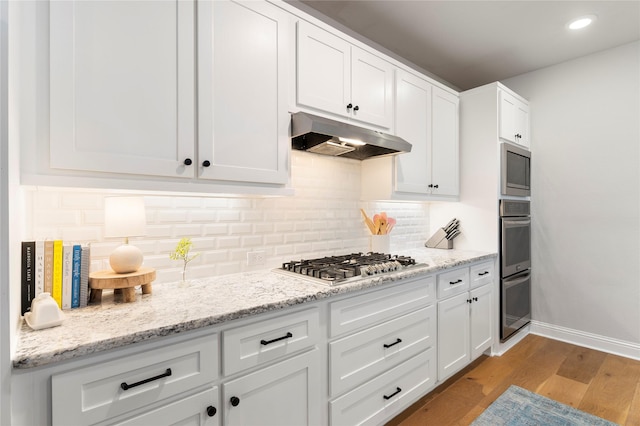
(182, 253)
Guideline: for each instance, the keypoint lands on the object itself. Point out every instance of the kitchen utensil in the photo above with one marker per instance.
(390, 224)
(376, 225)
(453, 234)
(383, 226)
(452, 225)
(449, 225)
(368, 221)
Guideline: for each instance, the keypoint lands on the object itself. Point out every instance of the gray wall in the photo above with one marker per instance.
(585, 127)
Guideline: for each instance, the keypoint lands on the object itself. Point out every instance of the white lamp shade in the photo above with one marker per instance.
(124, 217)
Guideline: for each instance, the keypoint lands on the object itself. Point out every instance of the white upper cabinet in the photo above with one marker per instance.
(426, 117)
(338, 78)
(122, 86)
(445, 174)
(413, 123)
(143, 92)
(514, 119)
(243, 122)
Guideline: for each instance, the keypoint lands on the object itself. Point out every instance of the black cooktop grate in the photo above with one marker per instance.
(339, 268)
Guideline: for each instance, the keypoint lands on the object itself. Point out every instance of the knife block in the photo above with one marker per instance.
(439, 240)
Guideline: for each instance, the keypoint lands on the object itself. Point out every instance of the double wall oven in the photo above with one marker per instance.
(515, 266)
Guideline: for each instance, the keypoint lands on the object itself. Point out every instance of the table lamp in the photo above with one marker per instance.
(125, 217)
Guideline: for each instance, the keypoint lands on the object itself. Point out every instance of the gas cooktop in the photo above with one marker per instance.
(334, 270)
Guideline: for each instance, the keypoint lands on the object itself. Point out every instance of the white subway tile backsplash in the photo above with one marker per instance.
(216, 229)
(188, 230)
(240, 228)
(229, 216)
(322, 218)
(170, 216)
(228, 242)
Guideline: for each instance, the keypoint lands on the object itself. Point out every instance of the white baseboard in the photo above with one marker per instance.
(588, 340)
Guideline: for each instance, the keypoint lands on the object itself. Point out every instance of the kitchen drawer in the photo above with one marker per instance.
(265, 341)
(453, 282)
(192, 410)
(359, 357)
(93, 394)
(388, 394)
(482, 273)
(354, 313)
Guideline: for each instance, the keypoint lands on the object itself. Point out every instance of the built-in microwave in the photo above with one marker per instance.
(515, 171)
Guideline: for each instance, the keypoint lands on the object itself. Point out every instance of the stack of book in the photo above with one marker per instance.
(51, 266)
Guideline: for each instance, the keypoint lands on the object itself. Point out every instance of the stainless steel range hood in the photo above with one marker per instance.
(324, 136)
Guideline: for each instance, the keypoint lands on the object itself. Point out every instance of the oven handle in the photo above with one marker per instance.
(513, 221)
(516, 279)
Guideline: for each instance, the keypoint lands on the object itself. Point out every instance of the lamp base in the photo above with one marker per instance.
(126, 259)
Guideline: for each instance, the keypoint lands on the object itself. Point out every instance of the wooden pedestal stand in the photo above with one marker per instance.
(120, 283)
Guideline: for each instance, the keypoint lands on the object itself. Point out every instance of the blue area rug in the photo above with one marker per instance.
(519, 407)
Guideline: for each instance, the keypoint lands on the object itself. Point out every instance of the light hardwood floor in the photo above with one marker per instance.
(602, 384)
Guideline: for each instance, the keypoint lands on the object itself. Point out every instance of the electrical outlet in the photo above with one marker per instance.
(255, 258)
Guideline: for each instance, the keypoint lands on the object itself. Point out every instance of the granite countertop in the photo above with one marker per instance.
(175, 308)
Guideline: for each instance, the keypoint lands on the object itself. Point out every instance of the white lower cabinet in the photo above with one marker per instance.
(200, 409)
(286, 393)
(388, 394)
(102, 392)
(388, 360)
(464, 317)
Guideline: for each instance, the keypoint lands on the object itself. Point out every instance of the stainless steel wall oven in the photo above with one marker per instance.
(515, 266)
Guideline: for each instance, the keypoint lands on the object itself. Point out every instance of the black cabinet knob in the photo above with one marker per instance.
(211, 411)
(234, 401)
(430, 186)
(435, 186)
(475, 299)
(468, 300)
(206, 163)
(188, 162)
(349, 106)
(356, 108)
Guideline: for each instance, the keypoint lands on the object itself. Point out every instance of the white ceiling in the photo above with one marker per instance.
(471, 43)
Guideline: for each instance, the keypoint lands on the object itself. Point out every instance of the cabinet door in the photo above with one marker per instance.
(444, 143)
(122, 88)
(453, 335)
(371, 89)
(242, 92)
(413, 122)
(514, 119)
(323, 71)
(282, 394)
(521, 120)
(507, 116)
(481, 315)
(201, 409)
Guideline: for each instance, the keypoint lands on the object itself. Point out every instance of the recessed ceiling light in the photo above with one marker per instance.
(581, 22)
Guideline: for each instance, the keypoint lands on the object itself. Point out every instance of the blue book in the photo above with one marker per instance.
(75, 276)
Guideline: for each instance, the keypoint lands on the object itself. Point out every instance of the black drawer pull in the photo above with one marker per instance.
(455, 282)
(398, 390)
(266, 342)
(393, 344)
(125, 386)
(211, 411)
(483, 273)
